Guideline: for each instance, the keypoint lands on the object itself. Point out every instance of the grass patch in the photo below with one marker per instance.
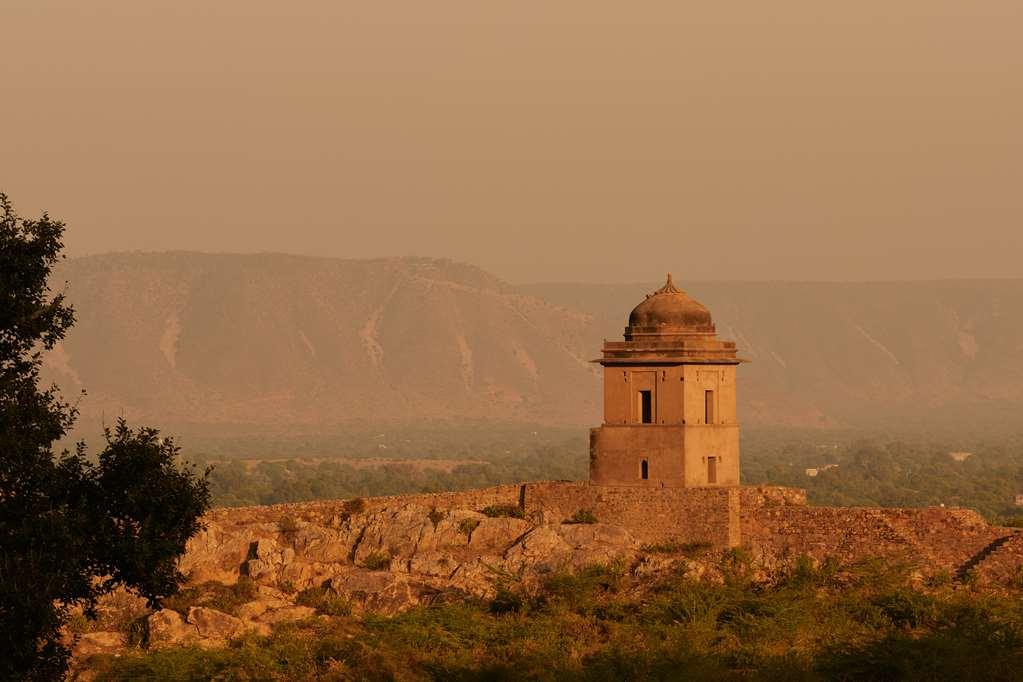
(356, 505)
(691, 549)
(325, 601)
(512, 511)
(582, 516)
(287, 525)
(377, 561)
(467, 526)
(213, 595)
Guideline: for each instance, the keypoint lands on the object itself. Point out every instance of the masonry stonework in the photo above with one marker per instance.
(669, 400)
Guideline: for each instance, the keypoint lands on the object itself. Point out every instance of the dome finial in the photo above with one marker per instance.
(669, 287)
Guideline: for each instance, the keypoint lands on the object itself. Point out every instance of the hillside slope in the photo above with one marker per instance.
(191, 338)
(940, 354)
(296, 342)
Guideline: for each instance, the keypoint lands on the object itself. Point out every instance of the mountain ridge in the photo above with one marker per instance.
(310, 341)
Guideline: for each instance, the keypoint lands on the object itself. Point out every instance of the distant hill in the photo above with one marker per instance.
(277, 341)
(942, 355)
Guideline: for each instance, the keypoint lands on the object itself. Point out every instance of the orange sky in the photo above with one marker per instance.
(794, 139)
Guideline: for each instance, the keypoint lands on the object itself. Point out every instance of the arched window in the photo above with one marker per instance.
(644, 470)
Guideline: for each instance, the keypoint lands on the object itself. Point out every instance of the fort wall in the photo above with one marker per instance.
(649, 514)
(940, 538)
(322, 511)
(774, 524)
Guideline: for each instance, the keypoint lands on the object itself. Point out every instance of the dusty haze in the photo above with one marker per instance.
(785, 140)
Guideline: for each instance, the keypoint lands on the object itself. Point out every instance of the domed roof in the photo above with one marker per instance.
(670, 311)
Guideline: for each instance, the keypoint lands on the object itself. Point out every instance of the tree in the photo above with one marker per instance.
(71, 528)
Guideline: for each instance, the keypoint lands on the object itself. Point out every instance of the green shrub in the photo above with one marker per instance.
(377, 561)
(582, 516)
(695, 548)
(467, 526)
(287, 525)
(907, 608)
(747, 611)
(689, 603)
(692, 548)
(214, 595)
(504, 510)
(938, 579)
(286, 655)
(327, 602)
(356, 505)
(78, 624)
(245, 588)
(578, 589)
(506, 601)
(138, 631)
(435, 516)
(803, 572)
(737, 566)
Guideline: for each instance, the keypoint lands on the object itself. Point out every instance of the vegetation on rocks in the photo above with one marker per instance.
(582, 516)
(503, 510)
(377, 561)
(214, 595)
(865, 621)
(467, 526)
(324, 601)
(690, 549)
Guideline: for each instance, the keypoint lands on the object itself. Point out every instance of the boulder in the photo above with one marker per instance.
(477, 576)
(167, 627)
(254, 609)
(259, 569)
(450, 531)
(213, 624)
(99, 643)
(287, 614)
(317, 544)
(379, 591)
(264, 549)
(497, 534)
(541, 549)
(434, 564)
(396, 532)
(597, 543)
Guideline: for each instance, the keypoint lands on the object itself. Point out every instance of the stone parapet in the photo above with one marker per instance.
(775, 524)
(650, 514)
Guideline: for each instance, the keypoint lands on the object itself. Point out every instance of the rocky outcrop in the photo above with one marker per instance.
(92, 643)
(167, 628)
(214, 626)
(390, 558)
(297, 562)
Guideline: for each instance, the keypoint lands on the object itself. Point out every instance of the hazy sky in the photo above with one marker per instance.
(584, 140)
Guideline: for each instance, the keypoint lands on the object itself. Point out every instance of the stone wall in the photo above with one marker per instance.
(324, 510)
(650, 515)
(775, 524)
(939, 539)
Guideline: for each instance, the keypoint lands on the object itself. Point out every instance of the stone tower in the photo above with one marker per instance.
(669, 400)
